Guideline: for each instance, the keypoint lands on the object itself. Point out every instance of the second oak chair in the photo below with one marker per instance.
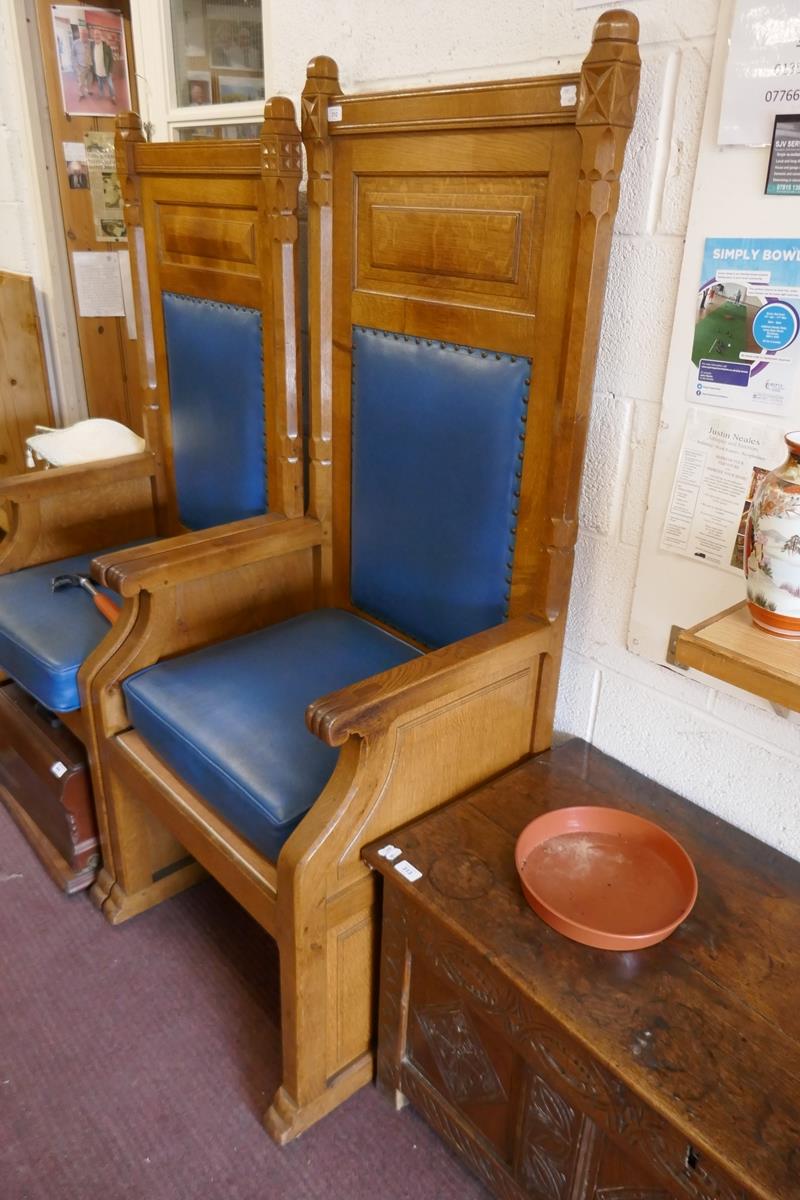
(212, 233)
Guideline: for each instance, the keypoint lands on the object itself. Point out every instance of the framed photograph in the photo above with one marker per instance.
(233, 88)
(235, 44)
(77, 175)
(197, 88)
(92, 60)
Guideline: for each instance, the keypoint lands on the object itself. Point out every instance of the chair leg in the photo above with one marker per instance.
(327, 1009)
(118, 905)
(143, 863)
(286, 1118)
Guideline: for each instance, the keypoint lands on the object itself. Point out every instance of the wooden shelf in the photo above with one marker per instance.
(730, 647)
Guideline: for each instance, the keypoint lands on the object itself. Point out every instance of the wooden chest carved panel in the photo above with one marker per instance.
(563, 1073)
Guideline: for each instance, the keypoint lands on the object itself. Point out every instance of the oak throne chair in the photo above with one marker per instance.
(458, 247)
(212, 233)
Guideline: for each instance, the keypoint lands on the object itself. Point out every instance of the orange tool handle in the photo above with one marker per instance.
(106, 606)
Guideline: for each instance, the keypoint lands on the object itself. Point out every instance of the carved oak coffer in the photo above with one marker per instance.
(560, 1072)
(44, 784)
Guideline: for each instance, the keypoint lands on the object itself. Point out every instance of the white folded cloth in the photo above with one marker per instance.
(86, 441)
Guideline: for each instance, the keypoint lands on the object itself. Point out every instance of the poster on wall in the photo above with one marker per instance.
(721, 461)
(762, 74)
(783, 172)
(104, 186)
(92, 60)
(745, 347)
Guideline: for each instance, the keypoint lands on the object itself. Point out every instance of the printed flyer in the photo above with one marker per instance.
(745, 350)
(721, 461)
(104, 186)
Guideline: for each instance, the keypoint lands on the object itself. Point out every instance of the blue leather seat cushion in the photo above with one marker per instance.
(46, 635)
(230, 719)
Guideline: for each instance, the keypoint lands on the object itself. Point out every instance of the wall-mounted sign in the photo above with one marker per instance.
(92, 60)
(746, 349)
(783, 174)
(762, 76)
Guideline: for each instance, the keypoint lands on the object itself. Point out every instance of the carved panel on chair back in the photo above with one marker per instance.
(480, 238)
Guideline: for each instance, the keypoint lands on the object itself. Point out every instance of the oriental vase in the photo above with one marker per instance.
(772, 547)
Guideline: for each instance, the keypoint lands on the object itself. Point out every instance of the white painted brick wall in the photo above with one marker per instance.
(16, 238)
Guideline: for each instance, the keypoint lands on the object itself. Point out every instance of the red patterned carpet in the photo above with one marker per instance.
(135, 1062)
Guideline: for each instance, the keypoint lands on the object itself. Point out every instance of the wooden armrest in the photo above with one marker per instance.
(372, 704)
(40, 484)
(190, 556)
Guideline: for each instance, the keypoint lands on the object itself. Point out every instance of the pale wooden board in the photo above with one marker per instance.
(730, 647)
(737, 633)
(24, 397)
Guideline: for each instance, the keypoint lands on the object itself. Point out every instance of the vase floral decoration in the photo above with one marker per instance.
(772, 547)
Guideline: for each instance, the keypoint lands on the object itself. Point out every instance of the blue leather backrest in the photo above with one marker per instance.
(438, 434)
(216, 383)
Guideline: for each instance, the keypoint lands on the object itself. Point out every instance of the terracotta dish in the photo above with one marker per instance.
(605, 877)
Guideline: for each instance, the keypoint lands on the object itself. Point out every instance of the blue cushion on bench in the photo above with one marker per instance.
(46, 635)
(230, 719)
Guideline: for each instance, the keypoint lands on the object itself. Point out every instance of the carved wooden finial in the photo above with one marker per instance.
(279, 108)
(280, 143)
(322, 82)
(323, 68)
(616, 25)
(128, 121)
(610, 72)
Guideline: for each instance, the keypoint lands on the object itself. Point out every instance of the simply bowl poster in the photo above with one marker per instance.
(745, 348)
